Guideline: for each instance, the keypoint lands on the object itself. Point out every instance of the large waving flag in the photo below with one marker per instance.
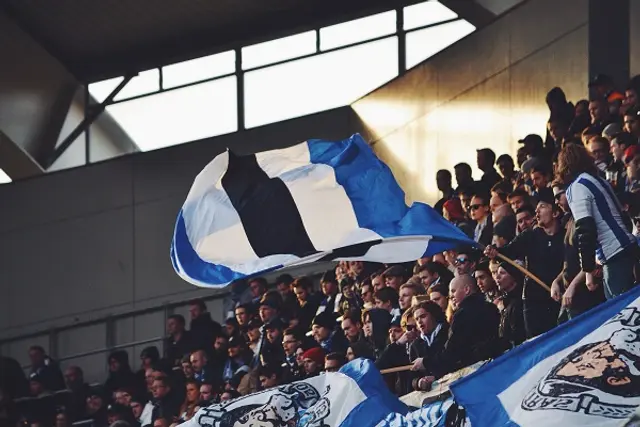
(585, 372)
(356, 396)
(315, 201)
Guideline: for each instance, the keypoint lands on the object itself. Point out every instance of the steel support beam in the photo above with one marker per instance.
(90, 117)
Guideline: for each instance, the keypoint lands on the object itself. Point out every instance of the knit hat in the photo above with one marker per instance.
(326, 319)
(316, 354)
(454, 208)
(513, 272)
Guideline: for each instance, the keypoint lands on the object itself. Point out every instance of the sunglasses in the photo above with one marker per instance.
(476, 207)
(460, 261)
(410, 328)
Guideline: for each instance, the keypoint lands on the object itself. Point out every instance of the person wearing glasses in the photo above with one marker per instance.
(402, 332)
(334, 361)
(481, 214)
(465, 262)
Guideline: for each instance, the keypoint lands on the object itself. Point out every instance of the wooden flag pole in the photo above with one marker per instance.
(396, 369)
(520, 268)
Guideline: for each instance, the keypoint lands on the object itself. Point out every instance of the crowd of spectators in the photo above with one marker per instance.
(566, 210)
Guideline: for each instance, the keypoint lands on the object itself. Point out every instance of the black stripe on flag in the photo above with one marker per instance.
(266, 208)
(353, 251)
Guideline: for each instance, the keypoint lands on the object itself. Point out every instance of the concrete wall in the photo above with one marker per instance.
(487, 90)
(83, 243)
(35, 93)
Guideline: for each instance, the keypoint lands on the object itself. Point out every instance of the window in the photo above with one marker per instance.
(278, 50)
(318, 83)
(4, 178)
(145, 82)
(198, 69)
(180, 115)
(427, 13)
(423, 44)
(367, 28)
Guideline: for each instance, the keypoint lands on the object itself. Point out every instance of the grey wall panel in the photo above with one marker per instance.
(68, 268)
(634, 47)
(123, 332)
(19, 349)
(73, 342)
(67, 194)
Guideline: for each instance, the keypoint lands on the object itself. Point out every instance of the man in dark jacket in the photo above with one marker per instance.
(512, 331)
(167, 401)
(204, 330)
(473, 335)
(179, 342)
(46, 369)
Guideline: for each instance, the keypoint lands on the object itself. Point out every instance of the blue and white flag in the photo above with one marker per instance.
(584, 373)
(315, 201)
(354, 397)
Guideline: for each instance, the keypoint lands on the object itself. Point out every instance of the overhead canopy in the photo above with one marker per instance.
(99, 39)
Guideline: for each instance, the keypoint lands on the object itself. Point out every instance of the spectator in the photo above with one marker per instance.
(540, 177)
(244, 313)
(440, 295)
(179, 342)
(46, 369)
(387, 299)
(269, 306)
(425, 351)
(313, 361)
(120, 374)
(291, 342)
(142, 410)
(352, 326)
(237, 365)
(273, 352)
(599, 150)
(443, 182)
(480, 213)
(603, 87)
(203, 329)
(485, 281)
(433, 273)
(360, 349)
(375, 325)
(507, 170)
(270, 376)
(307, 305)
(96, 406)
(464, 177)
(407, 292)
(366, 294)
(465, 261)
(454, 213)
(190, 405)
(517, 199)
(207, 394)
(394, 277)
(632, 122)
(258, 287)
(349, 298)
(525, 218)
(600, 115)
(283, 285)
(74, 380)
(334, 361)
(486, 159)
(512, 329)
(329, 287)
(504, 231)
(465, 194)
(202, 369)
(324, 331)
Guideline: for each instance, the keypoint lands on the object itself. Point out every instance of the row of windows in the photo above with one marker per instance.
(330, 79)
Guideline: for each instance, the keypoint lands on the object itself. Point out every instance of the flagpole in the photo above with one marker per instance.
(519, 267)
(396, 369)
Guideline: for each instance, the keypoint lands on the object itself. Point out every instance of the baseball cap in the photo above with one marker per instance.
(532, 139)
(612, 130)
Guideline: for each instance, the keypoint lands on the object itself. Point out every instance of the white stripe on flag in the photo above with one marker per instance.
(318, 196)
(395, 249)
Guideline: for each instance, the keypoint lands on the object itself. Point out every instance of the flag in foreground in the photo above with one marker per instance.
(315, 201)
(585, 372)
(357, 396)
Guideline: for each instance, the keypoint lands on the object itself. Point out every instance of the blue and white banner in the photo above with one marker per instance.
(584, 373)
(431, 415)
(315, 201)
(356, 396)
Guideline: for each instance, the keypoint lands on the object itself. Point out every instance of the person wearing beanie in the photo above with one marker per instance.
(504, 231)
(325, 332)
(313, 360)
(512, 330)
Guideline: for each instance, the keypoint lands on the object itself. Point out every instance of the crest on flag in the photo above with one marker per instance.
(594, 377)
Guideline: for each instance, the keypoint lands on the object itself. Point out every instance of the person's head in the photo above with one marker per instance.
(73, 377)
(460, 288)
(506, 166)
(229, 395)
(485, 282)
(560, 196)
(236, 345)
(394, 276)
(443, 180)
(620, 144)
(582, 108)
(517, 199)
(497, 200)
(632, 121)
(598, 110)
(118, 361)
(329, 284)
(160, 387)
(197, 308)
(525, 218)
(123, 396)
(547, 212)
(360, 349)
(439, 294)
(220, 344)
(36, 356)
(269, 306)
(540, 175)
(323, 326)
(253, 330)
(465, 194)
(599, 148)
(466, 260)
(504, 226)
(162, 422)
(274, 331)
(283, 284)
(407, 321)
(407, 292)
(572, 161)
(485, 158)
(333, 362)
(198, 360)
(291, 341)
(36, 385)
(366, 292)
(556, 99)
(428, 315)
(479, 209)
(137, 407)
(633, 168)
(533, 145)
(463, 174)
(313, 360)
(452, 210)
(508, 277)
(557, 128)
(386, 298)
(243, 314)
(62, 418)
(148, 377)
(95, 400)
(270, 375)
(302, 287)
(258, 286)
(206, 392)
(175, 324)
(192, 389)
(377, 281)
(356, 268)
(348, 287)
(351, 325)
(185, 364)
(430, 272)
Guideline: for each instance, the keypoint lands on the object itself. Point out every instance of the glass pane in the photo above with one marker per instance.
(100, 90)
(358, 30)
(145, 82)
(427, 13)
(423, 44)
(278, 50)
(198, 69)
(4, 178)
(180, 115)
(318, 83)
